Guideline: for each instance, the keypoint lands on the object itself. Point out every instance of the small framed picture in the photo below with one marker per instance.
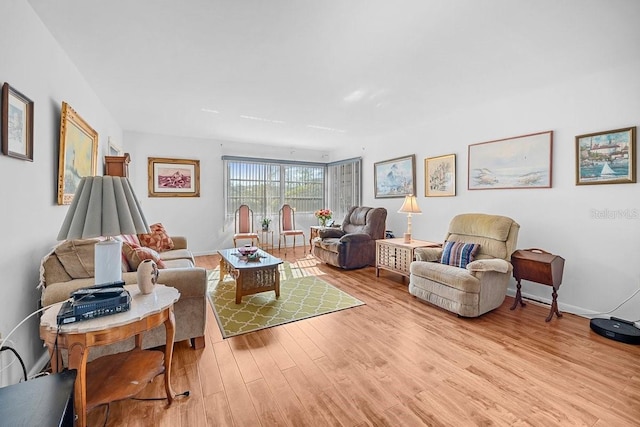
(173, 177)
(395, 177)
(440, 176)
(606, 157)
(17, 124)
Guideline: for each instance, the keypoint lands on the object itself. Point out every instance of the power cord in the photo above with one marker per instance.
(13, 350)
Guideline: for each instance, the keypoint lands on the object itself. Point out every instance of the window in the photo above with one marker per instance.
(265, 185)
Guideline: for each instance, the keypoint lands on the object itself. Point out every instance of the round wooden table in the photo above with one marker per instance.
(116, 376)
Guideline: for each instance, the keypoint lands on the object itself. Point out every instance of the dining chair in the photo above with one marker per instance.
(244, 226)
(287, 222)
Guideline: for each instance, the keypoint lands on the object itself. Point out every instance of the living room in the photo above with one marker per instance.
(587, 67)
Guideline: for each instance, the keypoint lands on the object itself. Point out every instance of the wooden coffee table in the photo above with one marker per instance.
(116, 376)
(252, 276)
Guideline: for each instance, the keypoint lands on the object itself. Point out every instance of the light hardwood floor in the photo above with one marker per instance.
(397, 362)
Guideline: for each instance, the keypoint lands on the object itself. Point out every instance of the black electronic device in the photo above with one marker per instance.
(116, 284)
(616, 329)
(91, 303)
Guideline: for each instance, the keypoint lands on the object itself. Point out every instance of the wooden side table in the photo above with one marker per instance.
(396, 256)
(541, 267)
(117, 376)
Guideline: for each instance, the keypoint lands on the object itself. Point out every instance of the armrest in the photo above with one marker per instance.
(355, 238)
(428, 254)
(179, 242)
(328, 233)
(498, 265)
(190, 282)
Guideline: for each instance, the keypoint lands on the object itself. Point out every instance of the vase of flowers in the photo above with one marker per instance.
(323, 216)
(265, 223)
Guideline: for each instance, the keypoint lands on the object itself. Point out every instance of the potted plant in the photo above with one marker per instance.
(265, 223)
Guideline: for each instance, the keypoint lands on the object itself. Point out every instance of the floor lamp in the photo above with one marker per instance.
(410, 206)
(104, 206)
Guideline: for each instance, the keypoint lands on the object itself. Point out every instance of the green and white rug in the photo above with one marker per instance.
(302, 295)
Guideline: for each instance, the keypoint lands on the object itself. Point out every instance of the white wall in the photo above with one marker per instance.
(33, 63)
(200, 219)
(600, 254)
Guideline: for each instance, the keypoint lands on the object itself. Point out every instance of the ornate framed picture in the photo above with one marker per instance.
(78, 153)
(17, 124)
(173, 177)
(606, 157)
(395, 177)
(440, 176)
(518, 162)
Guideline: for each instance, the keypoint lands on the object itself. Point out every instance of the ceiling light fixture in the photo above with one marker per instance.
(326, 128)
(260, 119)
(208, 110)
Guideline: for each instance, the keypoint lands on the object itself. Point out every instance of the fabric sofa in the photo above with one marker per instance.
(70, 266)
(480, 285)
(353, 245)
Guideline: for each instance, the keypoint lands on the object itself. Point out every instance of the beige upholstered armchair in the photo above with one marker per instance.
(480, 285)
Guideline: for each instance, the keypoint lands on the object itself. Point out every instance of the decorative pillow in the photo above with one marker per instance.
(158, 239)
(458, 254)
(136, 254)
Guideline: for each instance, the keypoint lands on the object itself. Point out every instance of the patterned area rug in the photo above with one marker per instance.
(301, 296)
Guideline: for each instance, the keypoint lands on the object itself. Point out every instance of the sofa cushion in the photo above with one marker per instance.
(77, 257)
(157, 240)
(458, 254)
(136, 254)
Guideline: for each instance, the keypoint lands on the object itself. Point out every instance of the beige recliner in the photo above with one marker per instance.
(482, 285)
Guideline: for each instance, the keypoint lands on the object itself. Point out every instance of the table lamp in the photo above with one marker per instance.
(104, 206)
(410, 206)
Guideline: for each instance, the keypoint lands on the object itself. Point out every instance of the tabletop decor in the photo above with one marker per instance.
(606, 157)
(395, 177)
(173, 177)
(518, 162)
(323, 216)
(78, 153)
(17, 124)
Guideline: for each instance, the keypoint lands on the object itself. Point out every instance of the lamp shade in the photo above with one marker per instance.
(410, 206)
(103, 206)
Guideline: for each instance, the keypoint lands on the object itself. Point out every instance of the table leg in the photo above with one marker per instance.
(170, 334)
(239, 288)
(78, 355)
(554, 306)
(277, 285)
(518, 298)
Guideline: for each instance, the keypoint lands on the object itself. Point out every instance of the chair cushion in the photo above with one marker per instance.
(458, 254)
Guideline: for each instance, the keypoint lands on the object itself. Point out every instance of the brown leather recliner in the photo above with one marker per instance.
(353, 245)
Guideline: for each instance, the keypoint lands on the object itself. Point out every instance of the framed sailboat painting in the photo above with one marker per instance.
(606, 157)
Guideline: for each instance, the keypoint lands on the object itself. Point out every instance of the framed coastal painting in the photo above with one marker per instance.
(440, 176)
(518, 162)
(17, 124)
(606, 157)
(78, 153)
(173, 177)
(395, 177)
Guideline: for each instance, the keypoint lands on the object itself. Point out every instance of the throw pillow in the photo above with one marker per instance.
(136, 254)
(158, 239)
(458, 254)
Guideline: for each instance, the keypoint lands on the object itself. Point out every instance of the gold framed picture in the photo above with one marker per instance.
(173, 177)
(440, 176)
(78, 153)
(606, 157)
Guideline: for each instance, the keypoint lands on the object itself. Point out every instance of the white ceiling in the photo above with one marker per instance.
(302, 72)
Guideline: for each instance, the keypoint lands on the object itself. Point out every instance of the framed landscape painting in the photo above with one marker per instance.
(17, 124)
(440, 176)
(78, 153)
(395, 177)
(606, 157)
(173, 177)
(518, 162)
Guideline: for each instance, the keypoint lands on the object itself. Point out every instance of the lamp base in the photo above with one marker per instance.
(407, 237)
(108, 261)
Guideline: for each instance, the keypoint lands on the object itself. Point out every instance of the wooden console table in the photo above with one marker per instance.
(396, 256)
(117, 376)
(541, 267)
